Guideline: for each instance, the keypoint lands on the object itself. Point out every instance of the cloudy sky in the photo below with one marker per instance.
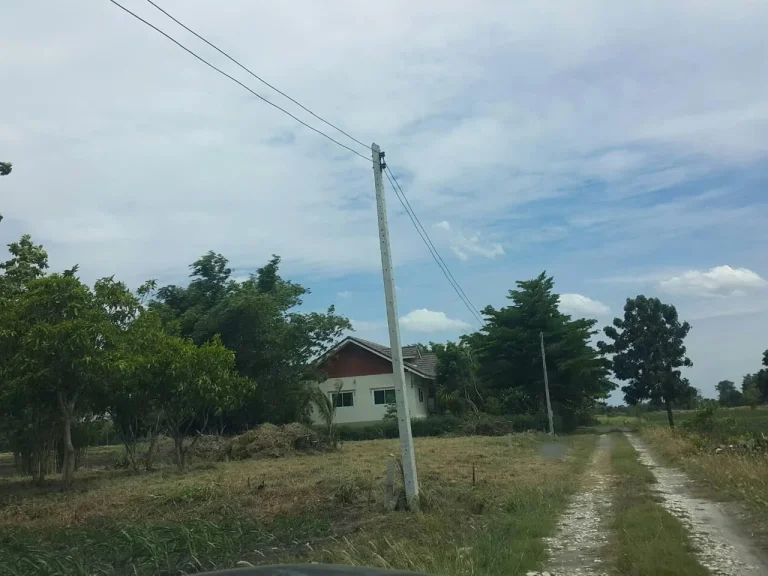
(623, 149)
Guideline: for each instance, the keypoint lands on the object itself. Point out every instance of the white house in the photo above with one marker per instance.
(363, 370)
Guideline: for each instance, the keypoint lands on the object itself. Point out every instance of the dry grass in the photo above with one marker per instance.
(728, 476)
(318, 507)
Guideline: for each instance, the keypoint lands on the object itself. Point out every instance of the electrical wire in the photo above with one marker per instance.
(220, 71)
(392, 180)
(259, 78)
(433, 251)
(476, 312)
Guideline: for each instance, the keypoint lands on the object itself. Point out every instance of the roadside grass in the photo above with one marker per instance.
(647, 540)
(729, 476)
(323, 508)
(751, 420)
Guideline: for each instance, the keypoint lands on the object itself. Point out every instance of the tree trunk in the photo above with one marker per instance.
(178, 441)
(669, 413)
(68, 468)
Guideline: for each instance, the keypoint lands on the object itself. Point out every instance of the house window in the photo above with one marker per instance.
(343, 399)
(421, 395)
(384, 397)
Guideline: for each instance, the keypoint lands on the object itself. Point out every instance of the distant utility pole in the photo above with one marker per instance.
(398, 373)
(546, 384)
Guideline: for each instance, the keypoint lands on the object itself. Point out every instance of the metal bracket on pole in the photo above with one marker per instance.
(398, 373)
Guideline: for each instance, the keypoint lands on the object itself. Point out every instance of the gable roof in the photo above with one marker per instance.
(423, 364)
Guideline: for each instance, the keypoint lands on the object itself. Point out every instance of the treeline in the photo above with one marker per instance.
(216, 355)
(754, 389)
(498, 370)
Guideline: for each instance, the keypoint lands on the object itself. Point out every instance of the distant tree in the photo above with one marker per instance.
(648, 350)
(5, 168)
(727, 394)
(507, 351)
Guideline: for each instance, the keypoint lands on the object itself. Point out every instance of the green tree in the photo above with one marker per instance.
(190, 384)
(5, 168)
(727, 394)
(59, 339)
(456, 378)
(648, 351)
(274, 345)
(507, 350)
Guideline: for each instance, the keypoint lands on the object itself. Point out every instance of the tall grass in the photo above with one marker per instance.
(112, 548)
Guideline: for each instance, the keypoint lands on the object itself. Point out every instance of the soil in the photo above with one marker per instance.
(575, 548)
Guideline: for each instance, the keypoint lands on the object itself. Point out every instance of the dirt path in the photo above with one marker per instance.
(723, 546)
(574, 550)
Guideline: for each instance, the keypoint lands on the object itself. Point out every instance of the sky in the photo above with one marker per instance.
(619, 146)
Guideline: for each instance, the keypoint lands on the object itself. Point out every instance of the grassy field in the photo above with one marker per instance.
(324, 508)
(751, 420)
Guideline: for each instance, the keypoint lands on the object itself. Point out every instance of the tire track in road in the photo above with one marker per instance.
(574, 550)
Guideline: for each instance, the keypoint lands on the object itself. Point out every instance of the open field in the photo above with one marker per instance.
(750, 420)
(306, 508)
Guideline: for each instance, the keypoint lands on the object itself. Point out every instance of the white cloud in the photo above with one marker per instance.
(719, 281)
(424, 320)
(466, 246)
(344, 294)
(444, 225)
(582, 306)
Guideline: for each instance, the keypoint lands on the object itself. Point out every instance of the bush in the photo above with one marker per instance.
(447, 425)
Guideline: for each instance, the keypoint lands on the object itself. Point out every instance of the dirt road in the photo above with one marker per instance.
(722, 544)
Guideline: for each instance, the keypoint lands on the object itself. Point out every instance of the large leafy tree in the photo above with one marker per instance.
(508, 351)
(58, 338)
(648, 351)
(27, 422)
(274, 345)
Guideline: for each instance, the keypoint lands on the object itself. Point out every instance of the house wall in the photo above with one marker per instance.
(364, 410)
(354, 361)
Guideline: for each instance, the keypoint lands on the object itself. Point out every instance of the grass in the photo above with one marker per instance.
(648, 540)
(729, 476)
(324, 508)
(750, 420)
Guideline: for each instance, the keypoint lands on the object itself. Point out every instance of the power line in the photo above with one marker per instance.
(392, 180)
(259, 78)
(220, 71)
(432, 250)
(476, 312)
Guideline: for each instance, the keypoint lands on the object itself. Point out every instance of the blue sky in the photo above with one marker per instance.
(621, 148)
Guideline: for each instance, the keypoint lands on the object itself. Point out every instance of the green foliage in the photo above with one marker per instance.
(727, 394)
(5, 168)
(648, 351)
(447, 425)
(508, 356)
(456, 381)
(274, 346)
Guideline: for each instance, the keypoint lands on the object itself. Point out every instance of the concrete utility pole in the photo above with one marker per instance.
(398, 373)
(546, 384)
